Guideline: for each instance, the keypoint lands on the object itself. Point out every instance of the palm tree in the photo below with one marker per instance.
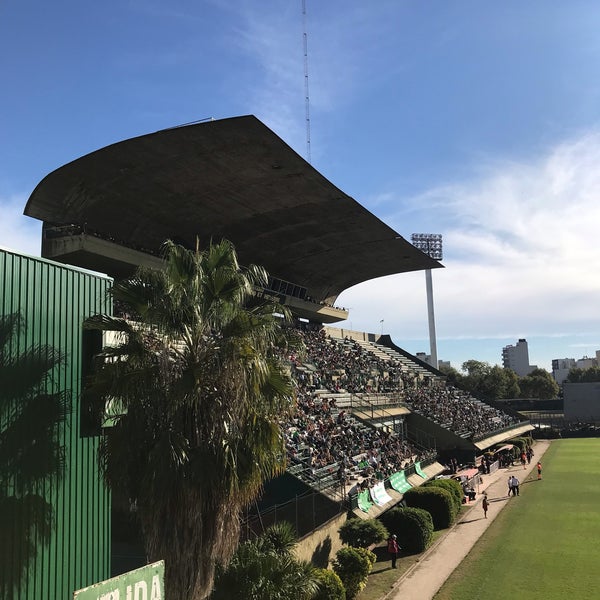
(265, 569)
(198, 383)
(31, 459)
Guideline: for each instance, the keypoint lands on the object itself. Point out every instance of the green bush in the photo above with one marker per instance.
(453, 486)
(520, 444)
(413, 526)
(330, 586)
(361, 533)
(353, 566)
(437, 501)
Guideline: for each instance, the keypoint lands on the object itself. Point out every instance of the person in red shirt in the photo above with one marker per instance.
(393, 549)
(539, 468)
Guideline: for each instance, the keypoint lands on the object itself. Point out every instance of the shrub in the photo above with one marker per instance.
(330, 586)
(453, 486)
(361, 533)
(266, 568)
(437, 501)
(519, 443)
(353, 566)
(413, 526)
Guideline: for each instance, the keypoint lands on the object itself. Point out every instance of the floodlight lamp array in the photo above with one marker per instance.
(429, 243)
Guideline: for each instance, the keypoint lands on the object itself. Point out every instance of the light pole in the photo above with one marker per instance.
(430, 244)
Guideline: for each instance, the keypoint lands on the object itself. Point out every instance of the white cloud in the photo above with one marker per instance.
(521, 248)
(18, 232)
(342, 45)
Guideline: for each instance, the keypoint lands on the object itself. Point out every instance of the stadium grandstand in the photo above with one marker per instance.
(371, 419)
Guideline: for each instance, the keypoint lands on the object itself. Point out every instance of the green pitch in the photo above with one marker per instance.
(546, 543)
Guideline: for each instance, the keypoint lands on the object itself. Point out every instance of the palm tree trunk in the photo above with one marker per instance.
(191, 524)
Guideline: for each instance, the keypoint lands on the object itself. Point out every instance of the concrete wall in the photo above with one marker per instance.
(321, 545)
(582, 401)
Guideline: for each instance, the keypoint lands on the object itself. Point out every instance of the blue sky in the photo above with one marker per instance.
(477, 120)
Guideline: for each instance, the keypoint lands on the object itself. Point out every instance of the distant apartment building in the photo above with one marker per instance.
(516, 358)
(427, 358)
(562, 366)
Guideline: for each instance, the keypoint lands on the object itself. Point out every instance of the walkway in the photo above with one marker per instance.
(425, 578)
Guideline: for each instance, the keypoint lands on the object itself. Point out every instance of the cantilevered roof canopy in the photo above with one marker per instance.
(233, 179)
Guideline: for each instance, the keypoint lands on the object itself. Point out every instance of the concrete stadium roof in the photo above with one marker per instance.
(234, 179)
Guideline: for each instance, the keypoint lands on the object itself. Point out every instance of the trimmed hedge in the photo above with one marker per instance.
(521, 443)
(362, 533)
(453, 486)
(413, 526)
(436, 501)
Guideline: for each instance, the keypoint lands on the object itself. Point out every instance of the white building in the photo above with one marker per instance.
(562, 366)
(516, 358)
(427, 358)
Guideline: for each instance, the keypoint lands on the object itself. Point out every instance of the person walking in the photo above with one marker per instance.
(393, 548)
(510, 487)
(485, 504)
(539, 469)
(515, 486)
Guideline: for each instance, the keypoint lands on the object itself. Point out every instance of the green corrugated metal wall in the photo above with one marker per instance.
(53, 301)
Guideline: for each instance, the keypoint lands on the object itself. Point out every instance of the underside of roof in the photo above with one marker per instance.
(234, 179)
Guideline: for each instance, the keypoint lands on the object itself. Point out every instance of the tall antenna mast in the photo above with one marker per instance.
(306, 95)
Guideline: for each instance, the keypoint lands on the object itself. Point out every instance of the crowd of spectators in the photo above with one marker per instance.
(346, 365)
(331, 443)
(455, 409)
(327, 441)
(325, 438)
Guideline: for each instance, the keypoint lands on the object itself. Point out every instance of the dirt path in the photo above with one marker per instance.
(425, 578)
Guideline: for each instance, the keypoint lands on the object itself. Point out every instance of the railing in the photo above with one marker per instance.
(377, 403)
(305, 512)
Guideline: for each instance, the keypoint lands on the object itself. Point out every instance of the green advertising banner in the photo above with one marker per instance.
(145, 583)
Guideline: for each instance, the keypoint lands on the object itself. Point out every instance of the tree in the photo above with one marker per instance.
(199, 381)
(490, 382)
(512, 389)
(589, 375)
(453, 376)
(265, 569)
(476, 371)
(538, 384)
(31, 458)
(362, 533)
(493, 385)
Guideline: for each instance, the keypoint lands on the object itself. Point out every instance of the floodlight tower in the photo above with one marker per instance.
(431, 244)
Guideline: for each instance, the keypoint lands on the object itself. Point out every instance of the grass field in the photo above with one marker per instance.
(546, 545)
